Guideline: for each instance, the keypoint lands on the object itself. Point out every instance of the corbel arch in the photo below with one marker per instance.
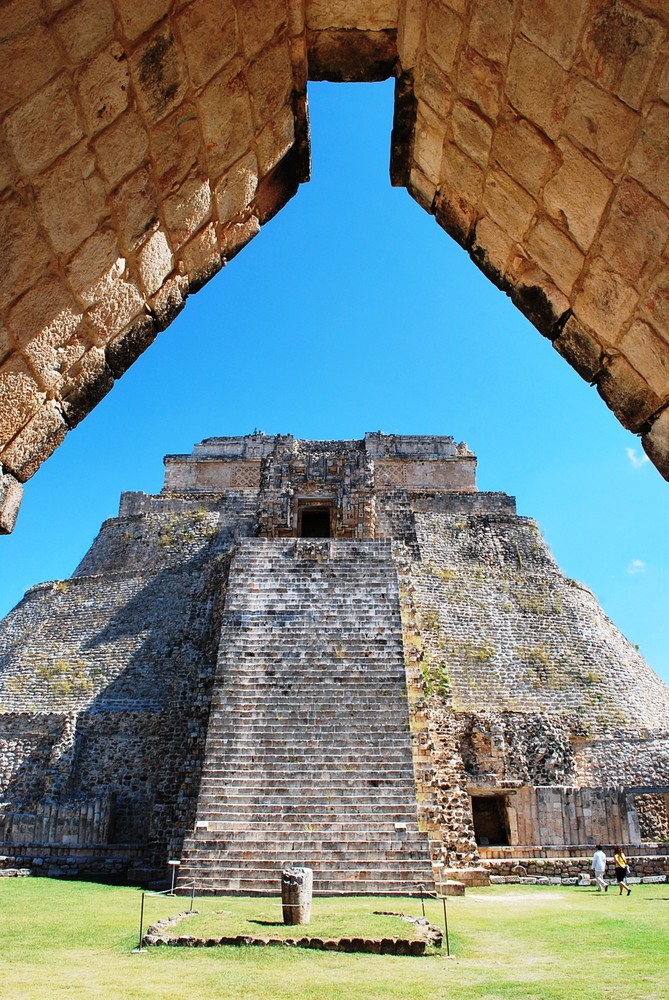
(144, 145)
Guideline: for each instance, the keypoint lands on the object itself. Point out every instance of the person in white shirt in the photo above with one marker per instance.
(599, 867)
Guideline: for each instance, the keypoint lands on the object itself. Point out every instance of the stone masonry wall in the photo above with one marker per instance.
(512, 666)
(105, 678)
(536, 134)
(143, 146)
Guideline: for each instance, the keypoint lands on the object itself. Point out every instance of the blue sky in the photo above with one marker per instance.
(352, 311)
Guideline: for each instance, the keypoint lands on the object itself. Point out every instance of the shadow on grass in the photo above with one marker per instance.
(268, 923)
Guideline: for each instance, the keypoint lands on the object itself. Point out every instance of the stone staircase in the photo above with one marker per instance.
(308, 757)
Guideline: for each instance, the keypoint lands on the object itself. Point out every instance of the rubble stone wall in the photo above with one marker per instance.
(522, 681)
(105, 678)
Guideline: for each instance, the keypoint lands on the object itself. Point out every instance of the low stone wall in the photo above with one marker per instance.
(15, 872)
(117, 864)
(156, 936)
(570, 871)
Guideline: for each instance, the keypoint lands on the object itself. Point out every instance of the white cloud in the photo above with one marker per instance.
(636, 566)
(636, 460)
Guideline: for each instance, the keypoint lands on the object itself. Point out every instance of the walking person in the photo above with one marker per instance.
(622, 871)
(599, 868)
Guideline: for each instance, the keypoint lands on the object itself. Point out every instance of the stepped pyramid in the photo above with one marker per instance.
(335, 653)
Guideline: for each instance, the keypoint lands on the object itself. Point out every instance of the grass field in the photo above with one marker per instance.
(74, 940)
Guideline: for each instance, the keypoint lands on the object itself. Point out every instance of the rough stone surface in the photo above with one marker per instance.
(535, 133)
(224, 679)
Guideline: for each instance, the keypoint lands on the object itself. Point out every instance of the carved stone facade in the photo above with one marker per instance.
(144, 146)
(291, 634)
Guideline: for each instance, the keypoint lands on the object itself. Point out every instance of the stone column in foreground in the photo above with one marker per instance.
(296, 891)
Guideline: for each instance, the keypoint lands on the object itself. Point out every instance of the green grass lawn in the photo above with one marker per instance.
(74, 940)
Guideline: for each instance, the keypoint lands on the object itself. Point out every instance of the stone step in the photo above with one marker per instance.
(353, 886)
(340, 737)
(341, 797)
(356, 807)
(326, 859)
(311, 718)
(296, 828)
(339, 767)
(392, 871)
(331, 779)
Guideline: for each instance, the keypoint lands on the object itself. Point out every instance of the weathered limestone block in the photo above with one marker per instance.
(235, 191)
(296, 895)
(635, 233)
(24, 250)
(262, 20)
(87, 382)
(351, 56)
(20, 397)
(122, 304)
(44, 126)
(656, 442)
(159, 75)
(208, 32)
(621, 46)
(103, 89)
(47, 325)
(536, 87)
(155, 262)
(524, 152)
(589, 104)
(646, 352)
(201, 257)
(507, 204)
(479, 82)
(491, 250)
(606, 302)
(442, 34)
(578, 194)
(491, 30)
(28, 59)
(85, 28)
(35, 442)
(554, 28)
(649, 161)
(226, 114)
(71, 199)
(11, 493)
(138, 18)
(556, 253)
(581, 350)
(136, 205)
(372, 15)
(121, 148)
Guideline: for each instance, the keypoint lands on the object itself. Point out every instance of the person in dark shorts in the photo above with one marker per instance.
(622, 871)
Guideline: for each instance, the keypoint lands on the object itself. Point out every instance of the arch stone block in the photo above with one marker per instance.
(537, 135)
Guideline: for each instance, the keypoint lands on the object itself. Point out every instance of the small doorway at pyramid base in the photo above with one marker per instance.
(490, 814)
(314, 519)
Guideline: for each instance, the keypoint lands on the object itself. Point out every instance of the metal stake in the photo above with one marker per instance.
(141, 927)
(448, 946)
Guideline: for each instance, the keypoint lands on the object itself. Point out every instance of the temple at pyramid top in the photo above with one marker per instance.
(322, 488)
